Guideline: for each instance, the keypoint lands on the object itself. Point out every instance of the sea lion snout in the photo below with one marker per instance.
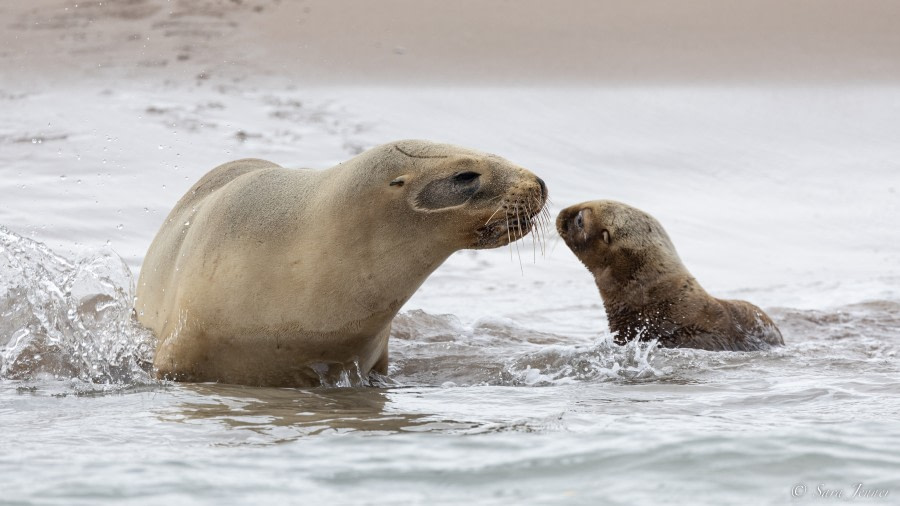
(512, 214)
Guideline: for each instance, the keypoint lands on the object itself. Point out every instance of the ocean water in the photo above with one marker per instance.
(504, 385)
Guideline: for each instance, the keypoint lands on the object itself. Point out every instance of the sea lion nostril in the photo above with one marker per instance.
(543, 188)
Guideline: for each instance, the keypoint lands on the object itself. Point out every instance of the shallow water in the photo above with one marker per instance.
(504, 386)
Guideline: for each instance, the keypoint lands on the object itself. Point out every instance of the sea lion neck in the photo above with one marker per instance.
(647, 305)
(631, 275)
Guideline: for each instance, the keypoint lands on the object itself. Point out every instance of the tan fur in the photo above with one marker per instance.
(647, 291)
(269, 276)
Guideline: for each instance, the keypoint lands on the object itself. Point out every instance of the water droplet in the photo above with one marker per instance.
(120, 226)
(63, 177)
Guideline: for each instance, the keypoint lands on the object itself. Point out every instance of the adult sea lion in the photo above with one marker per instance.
(647, 291)
(268, 276)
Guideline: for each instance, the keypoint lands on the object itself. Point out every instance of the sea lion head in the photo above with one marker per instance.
(475, 200)
(612, 238)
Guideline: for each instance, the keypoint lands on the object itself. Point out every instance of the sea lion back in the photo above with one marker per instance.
(158, 266)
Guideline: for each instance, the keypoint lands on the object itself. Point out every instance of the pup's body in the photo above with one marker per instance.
(647, 291)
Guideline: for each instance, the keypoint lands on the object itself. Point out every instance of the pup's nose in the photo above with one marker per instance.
(543, 187)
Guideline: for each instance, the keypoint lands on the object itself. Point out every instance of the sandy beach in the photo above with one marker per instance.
(496, 42)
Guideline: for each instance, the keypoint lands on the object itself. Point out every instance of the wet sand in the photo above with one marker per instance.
(355, 42)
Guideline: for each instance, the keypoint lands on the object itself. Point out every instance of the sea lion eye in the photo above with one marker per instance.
(448, 191)
(605, 235)
(466, 177)
(579, 219)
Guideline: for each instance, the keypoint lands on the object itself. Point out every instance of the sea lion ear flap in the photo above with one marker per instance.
(398, 182)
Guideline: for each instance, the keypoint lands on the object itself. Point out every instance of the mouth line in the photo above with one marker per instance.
(504, 230)
(511, 223)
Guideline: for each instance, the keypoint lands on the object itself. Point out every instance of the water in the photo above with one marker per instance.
(504, 386)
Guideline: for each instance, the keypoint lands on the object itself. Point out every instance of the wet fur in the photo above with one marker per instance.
(648, 293)
(269, 276)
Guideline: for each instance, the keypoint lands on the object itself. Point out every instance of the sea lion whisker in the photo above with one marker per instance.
(538, 223)
(518, 252)
(533, 238)
(508, 237)
(542, 226)
(519, 218)
(542, 240)
(495, 213)
(537, 231)
(545, 219)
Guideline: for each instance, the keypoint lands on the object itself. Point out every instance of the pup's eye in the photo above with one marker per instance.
(466, 177)
(579, 219)
(605, 235)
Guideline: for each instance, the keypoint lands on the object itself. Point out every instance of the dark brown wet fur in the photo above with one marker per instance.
(647, 291)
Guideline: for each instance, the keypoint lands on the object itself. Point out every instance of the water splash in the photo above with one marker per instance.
(604, 361)
(439, 349)
(68, 320)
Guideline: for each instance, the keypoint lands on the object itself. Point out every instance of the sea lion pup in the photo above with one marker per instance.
(268, 276)
(647, 291)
